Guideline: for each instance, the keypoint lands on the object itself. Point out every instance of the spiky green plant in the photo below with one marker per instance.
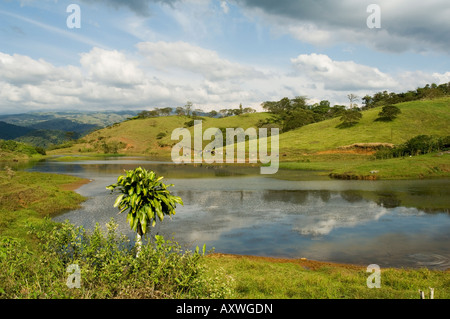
(146, 199)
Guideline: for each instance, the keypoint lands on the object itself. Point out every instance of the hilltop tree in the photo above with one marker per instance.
(165, 111)
(180, 111)
(353, 98)
(213, 113)
(188, 108)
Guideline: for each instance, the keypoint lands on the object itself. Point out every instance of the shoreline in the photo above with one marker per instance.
(311, 264)
(429, 166)
(75, 185)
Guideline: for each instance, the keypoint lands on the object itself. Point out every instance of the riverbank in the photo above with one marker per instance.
(256, 277)
(347, 166)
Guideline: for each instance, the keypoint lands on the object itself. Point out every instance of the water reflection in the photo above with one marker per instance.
(236, 210)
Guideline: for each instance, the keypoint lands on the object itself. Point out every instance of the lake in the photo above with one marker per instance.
(292, 214)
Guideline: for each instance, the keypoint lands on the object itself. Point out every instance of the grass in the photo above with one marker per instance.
(269, 278)
(29, 197)
(140, 136)
(360, 166)
(429, 117)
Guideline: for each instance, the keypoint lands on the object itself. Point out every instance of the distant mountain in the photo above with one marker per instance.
(100, 119)
(46, 138)
(52, 128)
(65, 125)
(11, 131)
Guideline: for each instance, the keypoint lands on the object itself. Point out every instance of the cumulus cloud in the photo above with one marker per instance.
(405, 24)
(341, 75)
(113, 79)
(160, 74)
(200, 61)
(111, 67)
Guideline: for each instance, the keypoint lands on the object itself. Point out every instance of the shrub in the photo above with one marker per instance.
(161, 135)
(350, 118)
(420, 144)
(109, 268)
(388, 113)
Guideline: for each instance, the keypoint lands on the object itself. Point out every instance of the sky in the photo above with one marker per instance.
(216, 54)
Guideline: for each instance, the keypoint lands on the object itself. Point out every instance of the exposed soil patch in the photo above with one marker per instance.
(303, 262)
(358, 148)
(74, 186)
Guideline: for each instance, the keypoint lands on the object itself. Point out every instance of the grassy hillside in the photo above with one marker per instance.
(318, 146)
(12, 151)
(429, 117)
(150, 136)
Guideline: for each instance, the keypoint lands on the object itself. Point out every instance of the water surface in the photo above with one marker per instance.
(290, 214)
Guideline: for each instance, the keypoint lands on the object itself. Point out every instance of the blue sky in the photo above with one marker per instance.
(217, 54)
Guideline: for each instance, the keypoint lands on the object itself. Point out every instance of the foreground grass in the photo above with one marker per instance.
(29, 197)
(269, 278)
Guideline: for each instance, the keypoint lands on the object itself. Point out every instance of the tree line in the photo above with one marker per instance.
(429, 91)
(190, 111)
(289, 114)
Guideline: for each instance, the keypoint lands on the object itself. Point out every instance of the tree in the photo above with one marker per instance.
(213, 113)
(180, 111)
(352, 98)
(367, 101)
(388, 113)
(146, 198)
(321, 110)
(298, 119)
(165, 111)
(350, 118)
(188, 109)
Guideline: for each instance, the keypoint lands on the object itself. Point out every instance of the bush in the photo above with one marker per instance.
(420, 144)
(41, 150)
(350, 118)
(163, 134)
(109, 268)
(388, 113)
(13, 146)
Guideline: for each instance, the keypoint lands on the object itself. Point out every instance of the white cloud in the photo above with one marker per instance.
(341, 75)
(224, 6)
(111, 67)
(20, 69)
(170, 73)
(187, 57)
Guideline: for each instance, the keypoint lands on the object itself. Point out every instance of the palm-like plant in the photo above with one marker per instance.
(146, 198)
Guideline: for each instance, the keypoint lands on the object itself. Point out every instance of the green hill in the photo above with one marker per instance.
(345, 152)
(150, 136)
(47, 138)
(10, 131)
(429, 117)
(64, 125)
